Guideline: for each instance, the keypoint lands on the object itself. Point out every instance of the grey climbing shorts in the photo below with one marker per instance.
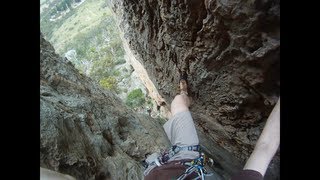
(181, 131)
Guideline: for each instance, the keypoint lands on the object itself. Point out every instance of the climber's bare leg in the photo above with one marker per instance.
(181, 102)
(180, 129)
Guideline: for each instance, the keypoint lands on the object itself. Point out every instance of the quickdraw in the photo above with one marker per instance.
(197, 166)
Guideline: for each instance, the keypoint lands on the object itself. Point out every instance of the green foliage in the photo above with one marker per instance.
(135, 98)
(101, 68)
(55, 8)
(109, 83)
(120, 61)
(99, 48)
(149, 102)
(116, 73)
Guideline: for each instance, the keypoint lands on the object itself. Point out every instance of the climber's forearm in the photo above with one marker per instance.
(267, 143)
(269, 139)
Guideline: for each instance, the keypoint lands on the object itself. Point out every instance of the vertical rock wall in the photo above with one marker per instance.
(86, 131)
(231, 51)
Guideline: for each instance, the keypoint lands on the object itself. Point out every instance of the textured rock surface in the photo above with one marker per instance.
(86, 131)
(231, 51)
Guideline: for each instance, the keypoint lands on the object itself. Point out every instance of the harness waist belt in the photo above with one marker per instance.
(176, 149)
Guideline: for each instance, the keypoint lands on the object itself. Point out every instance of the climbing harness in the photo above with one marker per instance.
(165, 155)
(195, 167)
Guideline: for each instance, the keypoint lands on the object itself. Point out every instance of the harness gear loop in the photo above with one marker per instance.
(165, 155)
(197, 166)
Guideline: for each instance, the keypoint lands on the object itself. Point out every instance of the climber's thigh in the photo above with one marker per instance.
(179, 104)
(181, 130)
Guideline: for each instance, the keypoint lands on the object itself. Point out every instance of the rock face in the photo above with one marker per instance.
(230, 50)
(87, 132)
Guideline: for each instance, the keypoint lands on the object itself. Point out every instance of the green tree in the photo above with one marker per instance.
(98, 50)
(135, 98)
(109, 83)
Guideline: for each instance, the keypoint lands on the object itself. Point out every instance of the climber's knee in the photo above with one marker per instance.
(179, 104)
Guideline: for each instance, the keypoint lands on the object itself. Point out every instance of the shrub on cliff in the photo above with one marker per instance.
(135, 98)
(109, 83)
